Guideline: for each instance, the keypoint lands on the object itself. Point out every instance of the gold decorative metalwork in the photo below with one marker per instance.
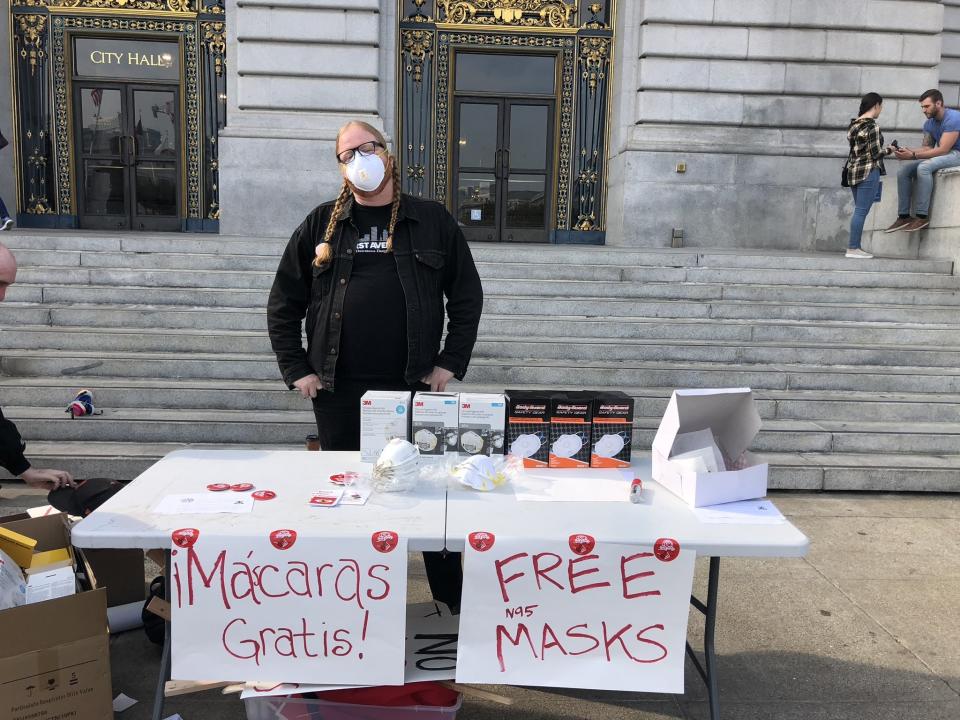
(594, 56)
(192, 139)
(595, 23)
(417, 45)
(594, 67)
(179, 6)
(32, 29)
(554, 14)
(214, 37)
(37, 203)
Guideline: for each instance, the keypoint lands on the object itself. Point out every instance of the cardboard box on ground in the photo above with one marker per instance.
(54, 654)
(55, 659)
(700, 449)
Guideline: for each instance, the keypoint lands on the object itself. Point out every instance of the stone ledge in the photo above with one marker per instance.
(941, 240)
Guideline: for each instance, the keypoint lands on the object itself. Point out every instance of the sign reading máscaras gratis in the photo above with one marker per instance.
(288, 608)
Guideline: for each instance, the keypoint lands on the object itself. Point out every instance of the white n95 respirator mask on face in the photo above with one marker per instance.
(366, 172)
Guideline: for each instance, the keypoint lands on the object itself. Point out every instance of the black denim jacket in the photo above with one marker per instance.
(433, 261)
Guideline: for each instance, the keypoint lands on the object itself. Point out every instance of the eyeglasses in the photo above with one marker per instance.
(367, 148)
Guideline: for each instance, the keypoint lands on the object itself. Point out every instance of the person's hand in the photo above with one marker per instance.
(308, 386)
(903, 154)
(438, 379)
(43, 479)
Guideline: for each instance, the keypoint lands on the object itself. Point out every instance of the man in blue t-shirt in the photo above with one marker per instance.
(941, 149)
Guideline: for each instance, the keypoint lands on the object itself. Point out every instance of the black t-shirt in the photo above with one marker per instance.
(373, 337)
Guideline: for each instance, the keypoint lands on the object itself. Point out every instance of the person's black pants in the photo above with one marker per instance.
(338, 427)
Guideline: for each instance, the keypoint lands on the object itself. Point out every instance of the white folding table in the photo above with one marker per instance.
(127, 521)
(660, 514)
(430, 519)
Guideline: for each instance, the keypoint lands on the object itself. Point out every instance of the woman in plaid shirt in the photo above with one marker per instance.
(864, 167)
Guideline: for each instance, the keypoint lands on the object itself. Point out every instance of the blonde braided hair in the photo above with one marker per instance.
(325, 248)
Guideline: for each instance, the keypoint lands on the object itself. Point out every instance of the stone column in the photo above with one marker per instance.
(298, 69)
(754, 97)
(950, 54)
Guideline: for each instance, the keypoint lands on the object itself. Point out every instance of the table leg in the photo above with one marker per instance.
(164, 674)
(709, 673)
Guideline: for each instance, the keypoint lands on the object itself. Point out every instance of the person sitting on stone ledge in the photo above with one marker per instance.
(941, 149)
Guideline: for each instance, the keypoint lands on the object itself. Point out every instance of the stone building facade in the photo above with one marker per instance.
(714, 123)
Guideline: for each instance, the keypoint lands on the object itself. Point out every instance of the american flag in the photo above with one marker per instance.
(97, 96)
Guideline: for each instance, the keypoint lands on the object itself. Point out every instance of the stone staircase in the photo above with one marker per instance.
(856, 365)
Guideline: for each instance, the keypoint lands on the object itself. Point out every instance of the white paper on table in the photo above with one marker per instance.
(746, 512)
(355, 495)
(121, 702)
(175, 716)
(202, 503)
(573, 485)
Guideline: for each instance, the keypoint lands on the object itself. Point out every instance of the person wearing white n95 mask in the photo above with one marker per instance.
(371, 277)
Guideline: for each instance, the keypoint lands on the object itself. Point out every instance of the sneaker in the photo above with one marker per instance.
(7, 224)
(858, 253)
(899, 224)
(918, 224)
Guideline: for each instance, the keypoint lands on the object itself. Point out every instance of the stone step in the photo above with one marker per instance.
(504, 373)
(242, 426)
(115, 285)
(34, 258)
(84, 307)
(560, 348)
(677, 301)
(147, 393)
(804, 471)
(204, 270)
(698, 257)
(162, 243)
(721, 310)
(864, 471)
(18, 316)
(713, 375)
(508, 348)
(484, 252)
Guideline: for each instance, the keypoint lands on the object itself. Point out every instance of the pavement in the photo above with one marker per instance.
(866, 626)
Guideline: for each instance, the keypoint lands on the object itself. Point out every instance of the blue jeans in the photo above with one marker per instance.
(922, 171)
(864, 195)
(3, 210)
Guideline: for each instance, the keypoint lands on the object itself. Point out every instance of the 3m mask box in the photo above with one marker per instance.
(482, 418)
(725, 418)
(384, 415)
(435, 424)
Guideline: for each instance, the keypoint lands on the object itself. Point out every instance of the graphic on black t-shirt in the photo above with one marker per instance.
(373, 241)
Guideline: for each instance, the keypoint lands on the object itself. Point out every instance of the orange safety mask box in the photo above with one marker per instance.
(612, 431)
(528, 426)
(571, 413)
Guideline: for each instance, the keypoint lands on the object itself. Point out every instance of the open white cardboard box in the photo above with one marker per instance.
(732, 417)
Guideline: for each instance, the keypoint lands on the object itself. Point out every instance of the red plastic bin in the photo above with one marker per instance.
(295, 707)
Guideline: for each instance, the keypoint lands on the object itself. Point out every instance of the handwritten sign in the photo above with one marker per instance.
(299, 609)
(431, 653)
(574, 614)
